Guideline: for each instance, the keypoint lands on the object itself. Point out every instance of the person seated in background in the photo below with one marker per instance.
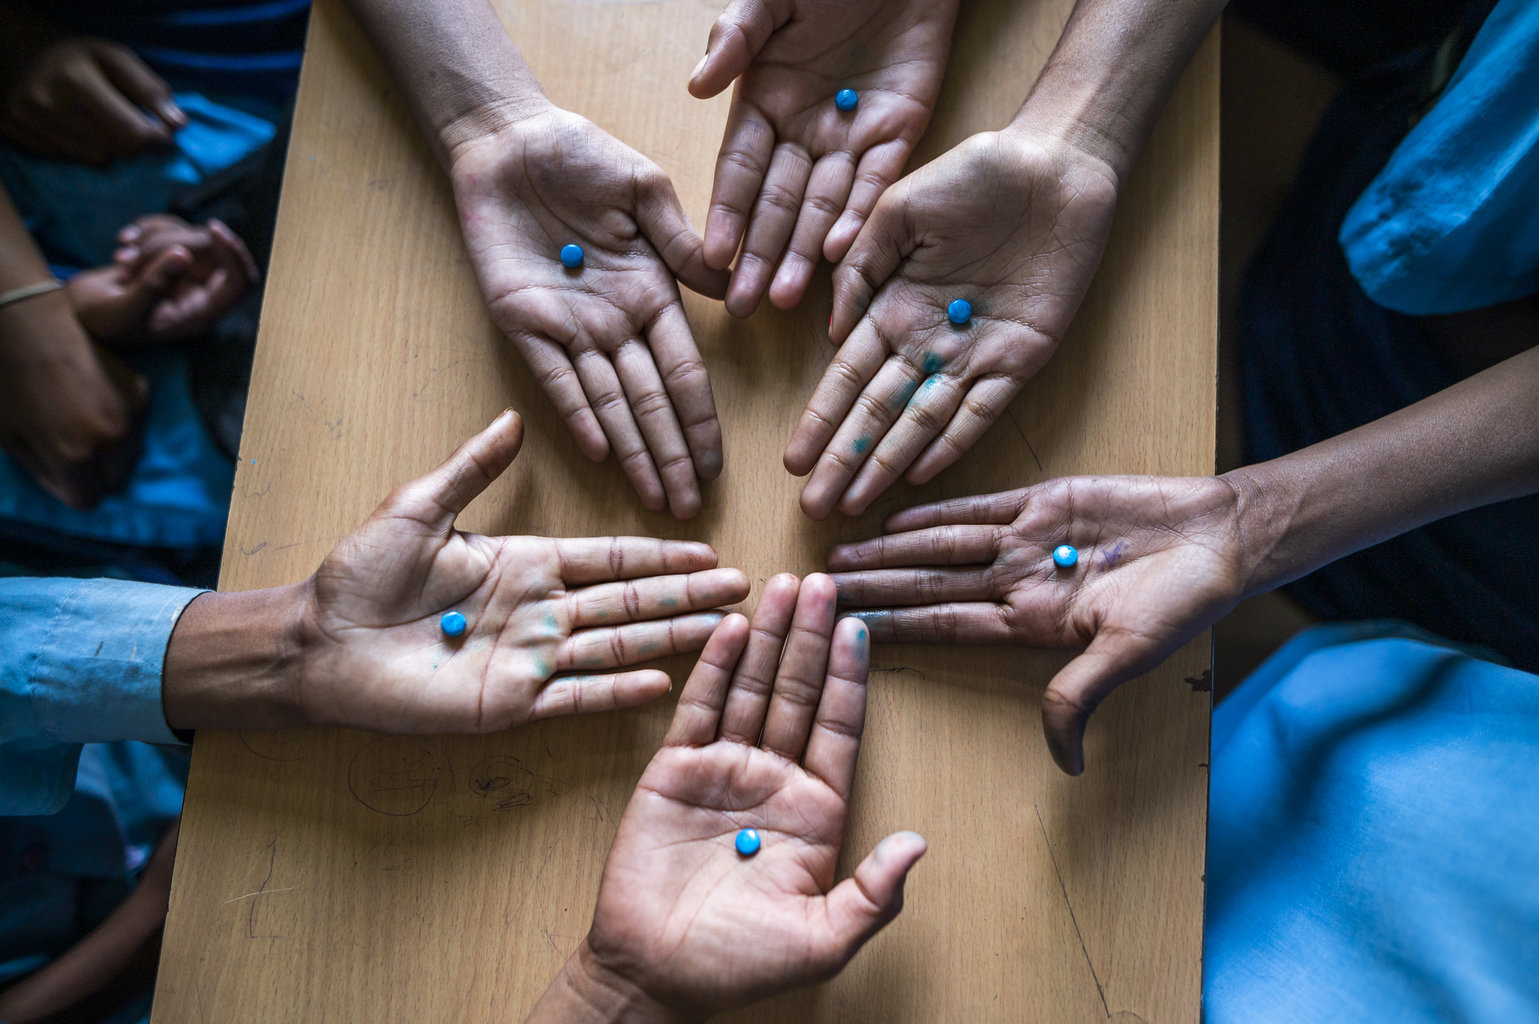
(545, 627)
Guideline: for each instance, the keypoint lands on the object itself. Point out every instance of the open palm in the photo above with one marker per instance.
(797, 177)
(765, 742)
(1016, 228)
(1160, 559)
(549, 620)
(608, 341)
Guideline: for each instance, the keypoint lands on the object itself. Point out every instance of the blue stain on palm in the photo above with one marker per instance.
(932, 362)
(748, 842)
(862, 443)
(542, 668)
(453, 624)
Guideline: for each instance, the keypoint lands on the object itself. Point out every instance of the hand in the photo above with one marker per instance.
(548, 620)
(69, 412)
(1013, 224)
(789, 154)
(1160, 559)
(88, 100)
(169, 281)
(764, 740)
(609, 342)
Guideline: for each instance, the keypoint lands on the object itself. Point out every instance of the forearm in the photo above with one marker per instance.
(1469, 445)
(1112, 71)
(585, 993)
(459, 70)
(21, 263)
(233, 661)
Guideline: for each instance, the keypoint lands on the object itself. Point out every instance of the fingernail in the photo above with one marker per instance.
(700, 67)
(129, 233)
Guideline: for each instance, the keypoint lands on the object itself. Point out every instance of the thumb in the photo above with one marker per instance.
(661, 218)
(435, 499)
(1079, 687)
(862, 904)
(136, 81)
(736, 38)
(873, 258)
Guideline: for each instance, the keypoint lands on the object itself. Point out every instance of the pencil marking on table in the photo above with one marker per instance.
(254, 550)
(1202, 683)
(1017, 425)
(251, 908)
(260, 892)
(396, 776)
(505, 779)
(273, 742)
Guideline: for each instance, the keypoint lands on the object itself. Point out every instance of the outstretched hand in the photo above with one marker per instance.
(797, 177)
(1013, 225)
(549, 621)
(1159, 560)
(765, 737)
(607, 341)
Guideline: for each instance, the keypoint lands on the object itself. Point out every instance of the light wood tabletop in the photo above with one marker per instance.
(335, 875)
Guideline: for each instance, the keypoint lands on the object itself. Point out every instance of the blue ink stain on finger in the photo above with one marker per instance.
(932, 362)
(861, 444)
(902, 395)
(871, 618)
(670, 602)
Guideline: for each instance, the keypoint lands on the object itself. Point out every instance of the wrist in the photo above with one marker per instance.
(587, 990)
(1265, 509)
(235, 660)
(493, 121)
(1069, 123)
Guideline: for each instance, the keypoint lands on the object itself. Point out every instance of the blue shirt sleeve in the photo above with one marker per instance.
(80, 662)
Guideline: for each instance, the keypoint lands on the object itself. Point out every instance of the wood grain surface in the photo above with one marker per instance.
(333, 875)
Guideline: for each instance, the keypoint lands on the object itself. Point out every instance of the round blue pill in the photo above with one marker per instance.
(571, 256)
(1065, 555)
(748, 842)
(960, 311)
(846, 99)
(453, 624)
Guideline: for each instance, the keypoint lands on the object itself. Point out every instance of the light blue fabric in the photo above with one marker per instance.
(80, 662)
(1452, 222)
(74, 211)
(1373, 836)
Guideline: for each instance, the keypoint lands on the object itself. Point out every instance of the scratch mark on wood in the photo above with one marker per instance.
(1017, 425)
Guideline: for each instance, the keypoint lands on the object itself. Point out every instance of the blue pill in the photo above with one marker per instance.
(453, 624)
(846, 100)
(571, 256)
(1065, 556)
(960, 311)
(748, 842)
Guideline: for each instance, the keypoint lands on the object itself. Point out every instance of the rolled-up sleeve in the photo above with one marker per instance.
(80, 662)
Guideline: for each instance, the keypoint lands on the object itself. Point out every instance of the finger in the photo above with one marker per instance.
(981, 622)
(736, 38)
(688, 384)
(742, 719)
(861, 905)
(583, 695)
(653, 410)
(803, 666)
(1079, 687)
(851, 369)
(774, 215)
(698, 714)
(879, 168)
(841, 714)
(879, 588)
(615, 646)
(746, 149)
(141, 85)
(871, 261)
(986, 401)
(607, 399)
(609, 604)
(435, 499)
(588, 560)
(235, 248)
(827, 191)
(983, 510)
(661, 218)
(556, 376)
(196, 309)
(927, 409)
(941, 545)
(863, 428)
(123, 127)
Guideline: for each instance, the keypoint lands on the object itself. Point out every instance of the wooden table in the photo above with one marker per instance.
(333, 875)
